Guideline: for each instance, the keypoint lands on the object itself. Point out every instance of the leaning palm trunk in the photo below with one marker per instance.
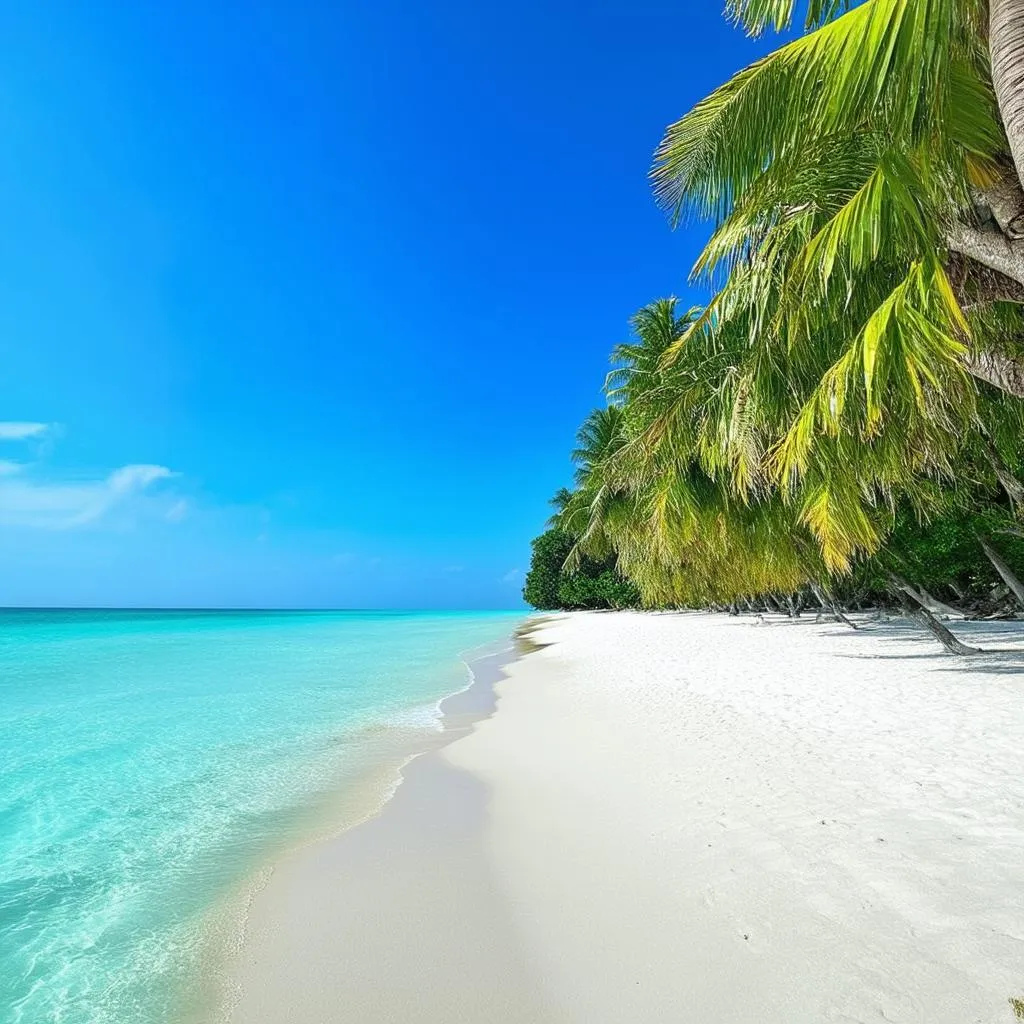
(1006, 46)
(943, 635)
(828, 601)
(1008, 576)
(926, 601)
(928, 620)
(1002, 250)
(1011, 485)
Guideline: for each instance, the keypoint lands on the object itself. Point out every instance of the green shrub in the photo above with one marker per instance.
(593, 585)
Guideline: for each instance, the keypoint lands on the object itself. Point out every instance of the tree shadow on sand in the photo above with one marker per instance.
(992, 657)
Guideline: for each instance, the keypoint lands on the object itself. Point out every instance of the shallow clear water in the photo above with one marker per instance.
(149, 759)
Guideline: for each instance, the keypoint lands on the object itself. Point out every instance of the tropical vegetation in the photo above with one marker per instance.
(842, 420)
(591, 584)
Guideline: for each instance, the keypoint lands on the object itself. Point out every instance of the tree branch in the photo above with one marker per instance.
(992, 249)
(995, 367)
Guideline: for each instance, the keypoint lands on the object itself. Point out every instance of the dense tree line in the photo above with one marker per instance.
(842, 421)
(549, 585)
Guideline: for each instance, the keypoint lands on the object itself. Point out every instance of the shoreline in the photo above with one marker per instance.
(681, 817)
(211, 998)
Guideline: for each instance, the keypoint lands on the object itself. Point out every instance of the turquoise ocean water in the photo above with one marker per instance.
(149, 761)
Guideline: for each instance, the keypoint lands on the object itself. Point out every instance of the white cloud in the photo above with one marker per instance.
(512, 576)
(177, 511)
(21, 431)
(8, 468)
(130, 478)
(61, 505)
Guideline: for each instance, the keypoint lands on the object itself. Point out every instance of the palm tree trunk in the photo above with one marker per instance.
(925, 617)
(1013, 487)
(827, 600)
(943, 635)
(937, 607)
(925, 600)
(1009, 577)
(1002, 250)
(1006, 49)
(996, 367)
(989, 247)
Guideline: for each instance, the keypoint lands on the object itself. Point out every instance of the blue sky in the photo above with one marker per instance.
(301, 304)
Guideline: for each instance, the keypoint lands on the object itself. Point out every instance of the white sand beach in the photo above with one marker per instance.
(688, 818)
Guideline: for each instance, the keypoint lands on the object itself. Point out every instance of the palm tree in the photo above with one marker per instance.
(1006, 43)
(849, 173)
(889, 107)
(584, 512)
(862, 358)
(650, 488)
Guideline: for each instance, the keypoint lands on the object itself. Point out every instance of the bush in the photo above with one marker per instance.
(593, 585)
(550, 551)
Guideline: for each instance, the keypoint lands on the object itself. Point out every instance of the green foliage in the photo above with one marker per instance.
(549, 585)
(818, 421)
(597, 585)
(673, 486)
(550, 550)
(832, 169)
(944, 554)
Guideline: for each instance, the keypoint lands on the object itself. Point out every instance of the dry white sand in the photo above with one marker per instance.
(683, 818)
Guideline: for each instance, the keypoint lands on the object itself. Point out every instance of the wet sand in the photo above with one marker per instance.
(400, 918)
